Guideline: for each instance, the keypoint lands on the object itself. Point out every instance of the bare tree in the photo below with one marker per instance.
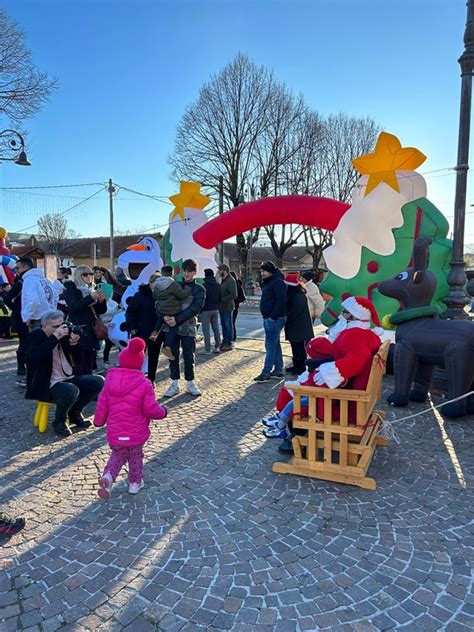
(342, 138)
(217, 134)
(315, 241)
(290, 154)
(248, 128)
(23, 88)
(53, 227)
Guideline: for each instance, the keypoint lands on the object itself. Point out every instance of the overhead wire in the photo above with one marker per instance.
(56, 186)
(65, 211)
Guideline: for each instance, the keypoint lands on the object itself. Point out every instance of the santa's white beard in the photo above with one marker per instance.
(343, 325)
(336, 329)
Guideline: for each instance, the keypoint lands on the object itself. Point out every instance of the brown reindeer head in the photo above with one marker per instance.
(415, 286)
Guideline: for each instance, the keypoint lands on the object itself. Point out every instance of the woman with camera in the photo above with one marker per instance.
(85, 304)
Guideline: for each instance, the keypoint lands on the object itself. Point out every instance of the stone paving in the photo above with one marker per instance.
(216, 541)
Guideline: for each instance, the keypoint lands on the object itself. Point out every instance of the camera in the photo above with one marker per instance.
(74, 329)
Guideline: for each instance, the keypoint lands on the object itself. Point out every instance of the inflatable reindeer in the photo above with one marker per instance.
(423, 340)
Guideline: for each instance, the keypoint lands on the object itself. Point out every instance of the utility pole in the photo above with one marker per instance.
(457, 299)
(221, 210)
(111, 190)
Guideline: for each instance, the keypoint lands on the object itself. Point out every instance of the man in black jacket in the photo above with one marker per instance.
(50, 375)
(187, 330)
(273, 310)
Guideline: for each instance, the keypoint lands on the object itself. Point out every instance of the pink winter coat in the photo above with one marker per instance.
(127, 404)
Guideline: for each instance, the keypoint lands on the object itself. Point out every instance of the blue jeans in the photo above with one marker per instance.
(188, 345)
(286, 413)
(273, 356)
(227, 327)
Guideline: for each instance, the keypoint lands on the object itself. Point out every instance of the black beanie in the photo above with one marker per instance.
(269, 266)
(208, 272)
(308, 276)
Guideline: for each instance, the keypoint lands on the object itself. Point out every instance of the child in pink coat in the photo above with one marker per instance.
(127, 404)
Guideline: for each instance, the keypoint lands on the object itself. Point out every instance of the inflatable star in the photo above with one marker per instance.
(189, 196)
(387, 158)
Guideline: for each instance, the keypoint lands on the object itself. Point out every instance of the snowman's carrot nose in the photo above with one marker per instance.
(136, 247)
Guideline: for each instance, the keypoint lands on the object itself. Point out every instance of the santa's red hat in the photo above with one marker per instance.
(319, 348)
(361, 308)
(292, 279)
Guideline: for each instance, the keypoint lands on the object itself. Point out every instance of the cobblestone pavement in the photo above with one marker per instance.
(215, 541)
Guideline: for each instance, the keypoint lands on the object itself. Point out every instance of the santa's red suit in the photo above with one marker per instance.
(351, 346)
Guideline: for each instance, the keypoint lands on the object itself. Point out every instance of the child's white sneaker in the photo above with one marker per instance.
(172, 390)
(105, 486)
(134, 488)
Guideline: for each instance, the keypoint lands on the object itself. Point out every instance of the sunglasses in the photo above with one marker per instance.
(87, 274)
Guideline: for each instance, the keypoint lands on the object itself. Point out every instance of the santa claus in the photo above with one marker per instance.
(343, 359)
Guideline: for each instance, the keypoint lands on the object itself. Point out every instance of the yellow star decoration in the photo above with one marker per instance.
(388, 157)
(189, 196)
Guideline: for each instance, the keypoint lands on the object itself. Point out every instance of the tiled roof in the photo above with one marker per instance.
(82, 247)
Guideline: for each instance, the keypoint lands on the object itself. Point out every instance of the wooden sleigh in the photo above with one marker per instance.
(336, 450)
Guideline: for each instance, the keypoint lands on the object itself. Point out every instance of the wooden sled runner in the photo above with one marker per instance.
(336, 450)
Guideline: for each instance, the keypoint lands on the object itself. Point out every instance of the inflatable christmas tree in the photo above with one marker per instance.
(374, 239)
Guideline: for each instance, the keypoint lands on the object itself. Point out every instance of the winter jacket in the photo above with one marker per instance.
(38, 295)
(191, 307)
(213, 294)
(169, 296)
(141, 314)
(80, 313)
(315, 300)
(127, 404)
(273, 300)
(298, 326)
(228, 294)
(13, 301)
(39, 362)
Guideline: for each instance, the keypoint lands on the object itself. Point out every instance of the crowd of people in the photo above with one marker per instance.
(58, 342)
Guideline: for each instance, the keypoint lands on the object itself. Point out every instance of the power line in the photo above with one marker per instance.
(164, 199)
(56, 186)
(49, 195)
(63, 212)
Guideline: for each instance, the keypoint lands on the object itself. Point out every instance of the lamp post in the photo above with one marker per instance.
(14, 143)
(456, 298)
(111, 191)
(252, 193)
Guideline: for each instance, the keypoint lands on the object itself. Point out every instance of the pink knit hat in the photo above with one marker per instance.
(133, 356)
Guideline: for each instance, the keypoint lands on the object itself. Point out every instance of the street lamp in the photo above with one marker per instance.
(251, 192)
(456, 298)
(14, 144)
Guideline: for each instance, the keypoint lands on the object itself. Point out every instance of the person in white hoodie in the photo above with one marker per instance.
(38, 294)
(313, 295)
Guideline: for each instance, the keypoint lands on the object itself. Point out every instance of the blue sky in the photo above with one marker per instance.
(127, 70)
